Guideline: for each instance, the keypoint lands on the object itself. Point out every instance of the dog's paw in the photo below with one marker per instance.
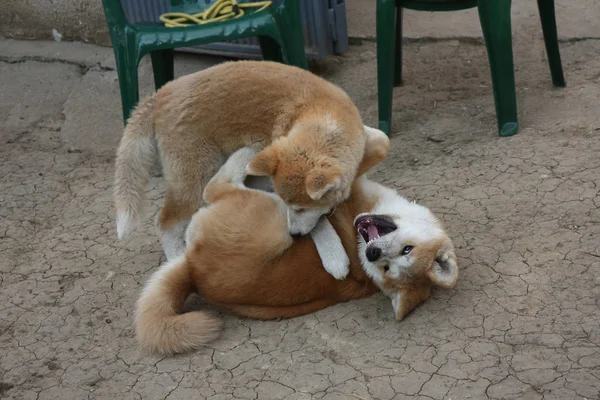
(338, 267)
(331, 250)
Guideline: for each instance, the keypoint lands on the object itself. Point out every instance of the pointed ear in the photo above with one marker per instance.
(377, 147)
(264, 163)
(444, 270)
(321, 180)
(406, 299)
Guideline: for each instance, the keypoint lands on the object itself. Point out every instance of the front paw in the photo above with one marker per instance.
(338, 267)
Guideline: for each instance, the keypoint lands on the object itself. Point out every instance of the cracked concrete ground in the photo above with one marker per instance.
(522, 323)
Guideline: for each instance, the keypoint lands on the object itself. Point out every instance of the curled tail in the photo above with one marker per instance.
(135, 158)
(159, 326)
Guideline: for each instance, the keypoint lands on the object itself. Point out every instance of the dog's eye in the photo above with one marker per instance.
(299, 210)
(386, 268)
(406, 250)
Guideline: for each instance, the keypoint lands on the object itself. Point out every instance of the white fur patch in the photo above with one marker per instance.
(396, 298)
(173, 240)
(332, 252)
(125, 223)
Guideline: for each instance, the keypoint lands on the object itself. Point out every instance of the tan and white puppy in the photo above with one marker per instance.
(310, 132)
(241, 259)
(403, 248)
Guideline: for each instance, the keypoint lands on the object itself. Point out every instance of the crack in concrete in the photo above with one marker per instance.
(83, 67)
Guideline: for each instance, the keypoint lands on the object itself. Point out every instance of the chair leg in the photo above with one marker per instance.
(162, 66)
(270, 49)
(293, 50)
(127, 64)
(398, 49)
(548, 17)
(385, 61)
(289, 25)
(496, 27)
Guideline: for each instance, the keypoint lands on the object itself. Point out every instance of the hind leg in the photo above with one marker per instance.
(172, 233)
(183, 198)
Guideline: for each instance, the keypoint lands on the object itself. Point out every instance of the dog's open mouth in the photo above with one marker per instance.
(372, 227)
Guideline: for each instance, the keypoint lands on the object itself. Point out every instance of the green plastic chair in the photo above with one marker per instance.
(279, 30)
(494, 16)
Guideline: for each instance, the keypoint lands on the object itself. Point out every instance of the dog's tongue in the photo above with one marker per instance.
(373, 232)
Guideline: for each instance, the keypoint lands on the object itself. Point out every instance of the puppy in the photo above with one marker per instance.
(310, 133)
(241, 260)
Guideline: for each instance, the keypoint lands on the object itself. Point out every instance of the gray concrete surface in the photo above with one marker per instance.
(84, 20)
(522, 323)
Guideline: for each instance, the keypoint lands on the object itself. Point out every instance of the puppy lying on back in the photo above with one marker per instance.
(241, 260)
(311, 133)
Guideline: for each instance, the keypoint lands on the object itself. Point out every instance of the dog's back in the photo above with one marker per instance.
(196, 121)
(242, 103)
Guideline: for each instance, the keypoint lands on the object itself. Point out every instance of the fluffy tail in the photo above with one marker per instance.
(135, 157)
(159, 326)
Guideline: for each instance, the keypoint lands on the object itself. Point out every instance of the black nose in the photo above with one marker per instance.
(373, 253)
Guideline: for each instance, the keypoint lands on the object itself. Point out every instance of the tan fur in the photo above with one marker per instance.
(196, 121)
(377, 147)
(173, 332)
(416, 288)
(242, 261)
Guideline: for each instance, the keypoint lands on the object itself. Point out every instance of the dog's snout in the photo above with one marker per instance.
(373, 253)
